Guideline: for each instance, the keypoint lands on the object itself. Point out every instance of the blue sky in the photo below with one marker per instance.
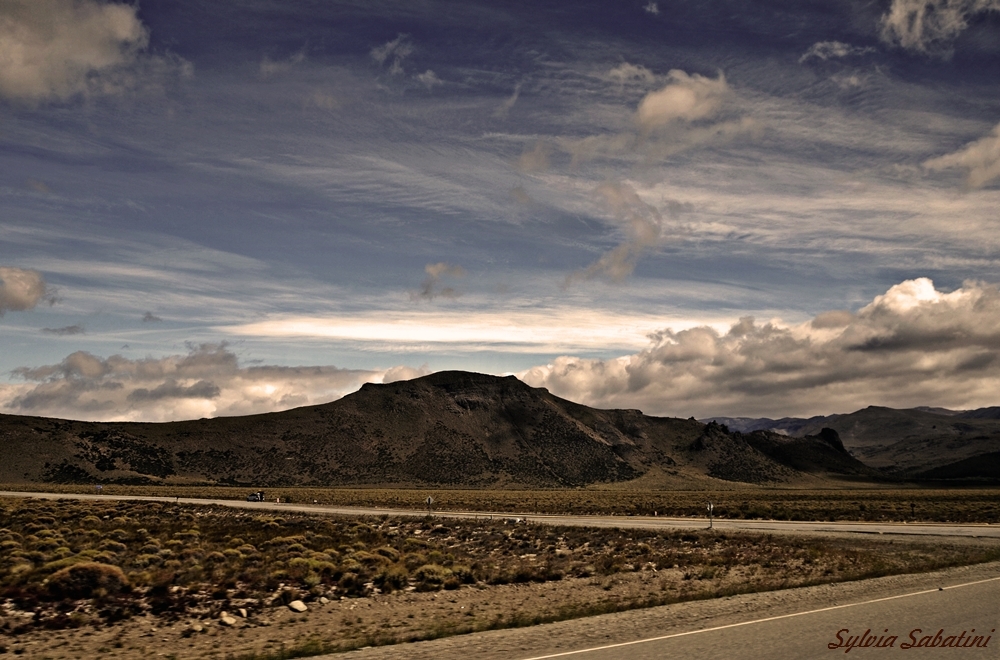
(216, 208)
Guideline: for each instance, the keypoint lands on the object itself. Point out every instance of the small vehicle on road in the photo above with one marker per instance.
(256, 497)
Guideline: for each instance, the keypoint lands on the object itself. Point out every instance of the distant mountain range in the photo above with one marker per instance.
(453, 429)
(918, 443)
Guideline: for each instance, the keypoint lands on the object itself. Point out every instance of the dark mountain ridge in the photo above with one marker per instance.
(918, 443)
(455, 429)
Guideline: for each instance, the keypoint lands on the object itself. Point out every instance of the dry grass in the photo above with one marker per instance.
(66, 564)
(968, 505)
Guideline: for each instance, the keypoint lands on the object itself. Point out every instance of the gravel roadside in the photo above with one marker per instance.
(639, 624)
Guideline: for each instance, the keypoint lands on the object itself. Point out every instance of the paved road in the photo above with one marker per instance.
(641, 522)
(793, 624)
(942, 618)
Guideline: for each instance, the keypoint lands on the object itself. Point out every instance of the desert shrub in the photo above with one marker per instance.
(284, 541)
(118, 535)
(413, 544)
(414, 560)
(392, 578)
(352, 584)
(87, 580)
(431, 577)
(214, 557)
(463, 573)
(369, 558)
(388, 552)
(113, 546)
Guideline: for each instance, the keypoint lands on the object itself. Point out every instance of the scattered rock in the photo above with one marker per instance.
(227, 620)
(197, 627)
(323, 600)
(297, 606)
(243, 612)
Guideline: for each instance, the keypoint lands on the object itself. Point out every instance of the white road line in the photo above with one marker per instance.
(747, 623)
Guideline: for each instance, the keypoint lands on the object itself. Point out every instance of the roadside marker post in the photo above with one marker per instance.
(711, 508)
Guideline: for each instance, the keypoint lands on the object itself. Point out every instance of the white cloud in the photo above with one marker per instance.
(652, 8)
(825, 50)
(21, 290)
(67, 330)
(206, 382)
(269, 67)
(913, 345)
(980, 159)
(56, 49)
(643, 225)
(405, 373)
(508, 103)
(930, 25)
(685, 98)
(430, 290)
(549, 330)
(393, 53)
(626, 73)
(429, 79)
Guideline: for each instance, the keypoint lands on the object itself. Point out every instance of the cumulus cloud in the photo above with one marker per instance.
(928, 26)
(393, 53)
(913, 345)
(980, 160)
(22, 290)
(57, 49)
(652, 8)
(643, 225)
(431, 289)
(208, 381)
(826, 50)
(68, 330)
(691, 110)
(404, 373)
(687, 98)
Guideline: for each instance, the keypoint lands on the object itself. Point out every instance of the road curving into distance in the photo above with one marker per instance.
(984, 531)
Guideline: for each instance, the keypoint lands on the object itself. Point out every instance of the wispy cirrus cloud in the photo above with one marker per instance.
(64, 331)
(392, 53)
(827, 50)
(269, 67)
(979, 159)
(643, 225)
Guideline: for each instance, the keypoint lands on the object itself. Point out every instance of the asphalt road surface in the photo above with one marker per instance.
(959, 622)
(641, 522)
(936, 613)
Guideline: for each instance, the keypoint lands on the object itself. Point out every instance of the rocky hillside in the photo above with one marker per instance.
(918, 443)
(448, 429)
